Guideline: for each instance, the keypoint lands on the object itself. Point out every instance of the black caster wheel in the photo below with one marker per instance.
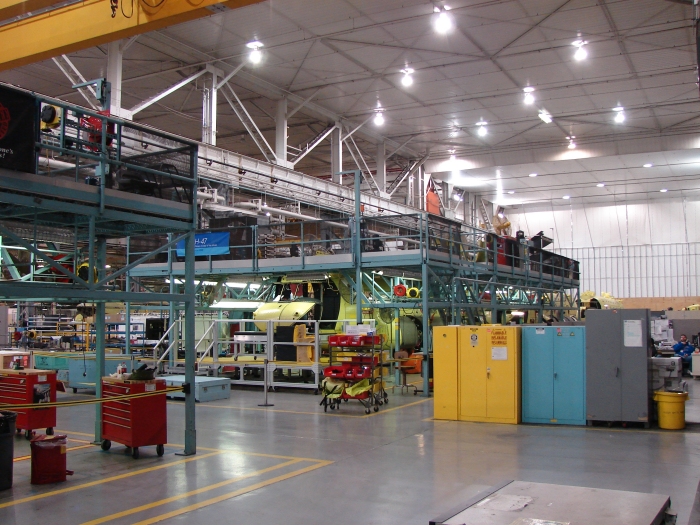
(380, 402)
(75, 390)
(135, 452)
(325, 407)
(28, 434)
(160, 450)
(316, 392)
(376, 408)
(415, 392)
(106, 445)
(386, 400)
(49, 431)
(367, 410)
(19, 430)
(345, 400)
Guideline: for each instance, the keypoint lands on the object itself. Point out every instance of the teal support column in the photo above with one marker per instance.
(99, 337)
(174, 339)
(190, 357)
(426, 331)
(127, 312)
(358, 248)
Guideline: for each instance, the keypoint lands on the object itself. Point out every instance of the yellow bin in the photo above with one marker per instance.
(671, 409)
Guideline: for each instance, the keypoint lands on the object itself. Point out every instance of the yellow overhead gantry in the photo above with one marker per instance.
(88, 23)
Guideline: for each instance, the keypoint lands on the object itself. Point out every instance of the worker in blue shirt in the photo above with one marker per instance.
(684, 350)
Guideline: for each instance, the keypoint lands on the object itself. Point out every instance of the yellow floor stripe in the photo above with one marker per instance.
(188, 494)
(106, 480)
(25, 458)
(234, 494)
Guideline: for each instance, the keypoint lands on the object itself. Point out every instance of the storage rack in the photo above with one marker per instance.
(249, 348)
(360, 359)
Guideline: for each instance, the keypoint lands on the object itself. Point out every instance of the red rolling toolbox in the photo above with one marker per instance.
(22, 387)
(137, 422)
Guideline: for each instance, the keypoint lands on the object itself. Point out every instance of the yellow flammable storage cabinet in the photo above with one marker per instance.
(484, 384)
(445, 372)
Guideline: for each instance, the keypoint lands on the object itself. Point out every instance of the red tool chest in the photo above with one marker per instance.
(23, 387)
(137, 422)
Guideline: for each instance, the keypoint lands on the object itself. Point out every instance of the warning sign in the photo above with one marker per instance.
(499, 337)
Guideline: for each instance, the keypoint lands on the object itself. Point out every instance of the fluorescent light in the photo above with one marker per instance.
(545, 116)
(572, 144)
(255, 54)
(648, 165)
(664, 190)
(253, 286)
(511, 192)
(600, 185)
(379, 119)
(237, 305)
(533, 175)
(516, 313)
(529, 97)
(443, 22)
(407, 79)
(619, 114)
(581, 53)
(482, 131)
(457, 197)
(566, 197)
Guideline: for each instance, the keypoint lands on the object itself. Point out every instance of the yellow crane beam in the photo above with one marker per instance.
(89, 23)
(12, 8)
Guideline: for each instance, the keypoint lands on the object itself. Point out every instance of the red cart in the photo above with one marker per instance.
(25, 387)
(137, 422)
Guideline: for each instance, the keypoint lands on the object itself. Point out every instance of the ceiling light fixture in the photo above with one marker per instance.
(600, 185)
(566, 197)
(255, 53)
(407, 79)
(511, 192)
(648, 165)
(572, 144)
(482, 131)
(619, 114)
(581, 53)
(443, 21)
(545, 116)
(664, 190)
(533, 175)
(529, 97)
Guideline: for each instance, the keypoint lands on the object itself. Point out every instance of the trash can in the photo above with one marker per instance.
(7, 448)
(48, 459)
(671, 409)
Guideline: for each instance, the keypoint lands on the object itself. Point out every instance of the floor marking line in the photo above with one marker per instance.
(164, 501)
(234, 494)
(24, 458)
(106, 480)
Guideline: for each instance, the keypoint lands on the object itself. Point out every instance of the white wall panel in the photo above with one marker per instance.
(643, 249)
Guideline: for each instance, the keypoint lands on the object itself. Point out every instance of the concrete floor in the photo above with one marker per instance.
(294, 464)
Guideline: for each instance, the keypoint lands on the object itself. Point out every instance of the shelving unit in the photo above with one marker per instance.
(354, 372)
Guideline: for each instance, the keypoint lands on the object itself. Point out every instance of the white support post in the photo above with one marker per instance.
(209, 100)
(115, 54)
(336, 153)
(381, 166)
(281, 132)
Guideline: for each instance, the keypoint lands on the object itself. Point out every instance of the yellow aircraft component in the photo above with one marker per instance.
(87, 24)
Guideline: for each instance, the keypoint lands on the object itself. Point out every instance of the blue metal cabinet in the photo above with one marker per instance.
(554, 375)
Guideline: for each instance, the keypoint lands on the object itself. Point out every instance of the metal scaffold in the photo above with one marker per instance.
(75, 187)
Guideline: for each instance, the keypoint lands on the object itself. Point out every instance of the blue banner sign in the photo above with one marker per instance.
(207, 244)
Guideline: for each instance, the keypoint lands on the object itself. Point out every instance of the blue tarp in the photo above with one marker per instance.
(207, 244)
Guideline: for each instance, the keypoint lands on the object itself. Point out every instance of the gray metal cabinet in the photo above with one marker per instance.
(617, 366)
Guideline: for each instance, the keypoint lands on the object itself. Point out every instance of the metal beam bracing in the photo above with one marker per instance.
(89, 23)
(409, 171)
(313, 143)
(249, 124)
(71, 72)
(155, 98)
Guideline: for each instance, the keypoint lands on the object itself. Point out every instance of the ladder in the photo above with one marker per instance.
(485, 216)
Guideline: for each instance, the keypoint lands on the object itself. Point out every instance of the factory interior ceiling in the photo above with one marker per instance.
(598, 98)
